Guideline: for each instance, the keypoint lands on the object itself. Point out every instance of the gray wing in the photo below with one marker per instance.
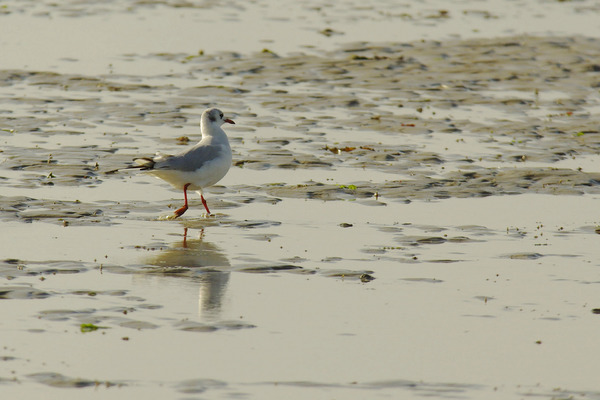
(189, 160)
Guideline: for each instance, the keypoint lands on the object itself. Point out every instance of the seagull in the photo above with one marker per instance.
(199, 167)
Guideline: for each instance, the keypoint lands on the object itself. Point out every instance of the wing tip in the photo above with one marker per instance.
(144, 162)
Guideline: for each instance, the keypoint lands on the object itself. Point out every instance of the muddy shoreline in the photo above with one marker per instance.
(419, 133)
(398, 215)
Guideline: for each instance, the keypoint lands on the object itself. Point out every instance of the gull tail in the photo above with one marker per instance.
(143, 164)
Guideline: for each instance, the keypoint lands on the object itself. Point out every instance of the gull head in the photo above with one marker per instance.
(215, 116)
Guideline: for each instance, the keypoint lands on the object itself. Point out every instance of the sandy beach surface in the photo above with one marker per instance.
(412, 210)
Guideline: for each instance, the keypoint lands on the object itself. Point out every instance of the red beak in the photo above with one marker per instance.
(229, 121)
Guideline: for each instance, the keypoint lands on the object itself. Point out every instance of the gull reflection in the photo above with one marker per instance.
(202, 260)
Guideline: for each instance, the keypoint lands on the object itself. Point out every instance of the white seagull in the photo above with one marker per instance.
(199, 167)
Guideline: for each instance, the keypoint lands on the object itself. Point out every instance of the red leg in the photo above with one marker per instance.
(180, 211)
(205, 205)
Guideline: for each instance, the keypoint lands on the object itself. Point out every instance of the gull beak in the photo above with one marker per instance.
(229, 121)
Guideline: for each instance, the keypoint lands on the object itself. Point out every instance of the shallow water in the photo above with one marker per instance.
(404, 217)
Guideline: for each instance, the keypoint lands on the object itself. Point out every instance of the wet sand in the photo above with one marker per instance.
(404, 218)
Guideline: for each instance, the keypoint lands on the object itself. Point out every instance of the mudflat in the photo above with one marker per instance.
(403, 217)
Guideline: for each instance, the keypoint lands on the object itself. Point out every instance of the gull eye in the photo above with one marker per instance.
(221, 115)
